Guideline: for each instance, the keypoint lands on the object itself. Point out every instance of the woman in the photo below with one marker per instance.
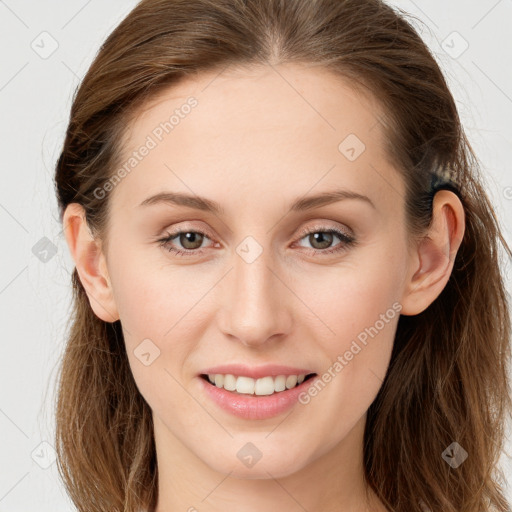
(287, 285)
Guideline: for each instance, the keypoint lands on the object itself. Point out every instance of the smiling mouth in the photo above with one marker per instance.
(265, 386)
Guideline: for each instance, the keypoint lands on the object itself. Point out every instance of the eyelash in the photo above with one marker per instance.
(347, 241)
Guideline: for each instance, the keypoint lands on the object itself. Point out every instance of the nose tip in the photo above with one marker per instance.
(255, 309)
(252, 338)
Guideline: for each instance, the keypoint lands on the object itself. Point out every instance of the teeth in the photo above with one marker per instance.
(230, 382)
(245, 385)
(280, 383)
(291, 381)
(260, 387)
(264, 386)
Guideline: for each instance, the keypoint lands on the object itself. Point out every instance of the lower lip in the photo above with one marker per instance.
(252, 407)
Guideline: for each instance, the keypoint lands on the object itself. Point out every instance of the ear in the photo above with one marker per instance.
(432, 261)
(90, 263)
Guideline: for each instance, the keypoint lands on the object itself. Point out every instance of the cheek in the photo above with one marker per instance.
(154, 298)
(359, 303)
(352, 297)
(156, 308)
(152, 303)
(358, 315)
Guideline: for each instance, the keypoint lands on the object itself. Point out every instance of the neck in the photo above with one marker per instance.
(332, 482)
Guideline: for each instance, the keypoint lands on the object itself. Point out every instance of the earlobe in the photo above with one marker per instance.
(432, 263)
(90, 263)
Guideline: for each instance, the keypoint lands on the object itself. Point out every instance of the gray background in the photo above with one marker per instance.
(36, 89)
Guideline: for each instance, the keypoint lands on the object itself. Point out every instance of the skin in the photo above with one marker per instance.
(258, 139)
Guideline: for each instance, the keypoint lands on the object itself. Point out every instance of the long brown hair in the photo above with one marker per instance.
(447, 381)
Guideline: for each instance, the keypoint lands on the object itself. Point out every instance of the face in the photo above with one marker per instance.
(313, 288)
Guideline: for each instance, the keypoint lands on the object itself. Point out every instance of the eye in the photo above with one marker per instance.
(320, 238)
(190, 240)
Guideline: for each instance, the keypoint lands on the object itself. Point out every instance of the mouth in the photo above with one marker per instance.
(263, 386)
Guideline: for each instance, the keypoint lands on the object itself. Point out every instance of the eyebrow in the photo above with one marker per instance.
(301, 204)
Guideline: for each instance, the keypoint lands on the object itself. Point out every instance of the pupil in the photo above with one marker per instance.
(319, 238)
(185, 239)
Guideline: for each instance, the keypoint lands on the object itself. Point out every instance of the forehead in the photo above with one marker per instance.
(254, 130)
(250, 100)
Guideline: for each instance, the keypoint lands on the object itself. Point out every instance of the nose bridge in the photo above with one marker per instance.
(254, 309)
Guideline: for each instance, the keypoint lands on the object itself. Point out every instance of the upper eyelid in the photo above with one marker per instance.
(317, 224)
(309, 229)
(318, 227)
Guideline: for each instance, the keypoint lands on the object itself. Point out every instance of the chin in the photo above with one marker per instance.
(279, 465)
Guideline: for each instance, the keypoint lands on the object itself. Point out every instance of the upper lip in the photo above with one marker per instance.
(256, 372)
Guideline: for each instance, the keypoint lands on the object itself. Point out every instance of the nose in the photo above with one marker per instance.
(255, 309)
